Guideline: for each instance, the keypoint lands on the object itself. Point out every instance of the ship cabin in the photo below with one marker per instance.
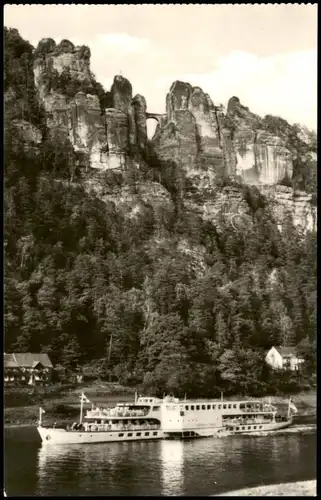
(139, 416)
(147, 401)
(253, 413)
(224, 407)
(190, 415)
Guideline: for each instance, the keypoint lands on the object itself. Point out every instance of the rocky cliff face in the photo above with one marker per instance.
(189, 133)
(285, 201)
(235, 144)
(105, 135)
(210, 143)
(206, 142)
(261, 157)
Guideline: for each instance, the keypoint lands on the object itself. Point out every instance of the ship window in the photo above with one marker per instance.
(224, 406)
(260, 427)
(208, 407)
(203, 407)
(229, 406)
(237, 428)
(219, 407)
(255, 427)
(234, 406)
(120, 434)
(130, 434)
(186, 407)
(243, 428)
(138, 433)
(155, 433)
(192, 407)
(213, 406)
(249, 427)
(146, 433)
(197, 407)
(182, 414)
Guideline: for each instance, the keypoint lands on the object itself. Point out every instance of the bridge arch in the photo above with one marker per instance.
(152, 120)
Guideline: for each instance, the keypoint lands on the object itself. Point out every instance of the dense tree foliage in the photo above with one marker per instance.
(21, 99)
(87, 284)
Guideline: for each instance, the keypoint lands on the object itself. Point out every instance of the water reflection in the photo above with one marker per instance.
(172, 467)
(195, 467)
(108, 468)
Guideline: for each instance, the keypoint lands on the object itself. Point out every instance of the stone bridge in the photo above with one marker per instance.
(159, 117)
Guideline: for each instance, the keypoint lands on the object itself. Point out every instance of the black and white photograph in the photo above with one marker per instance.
(160, 250)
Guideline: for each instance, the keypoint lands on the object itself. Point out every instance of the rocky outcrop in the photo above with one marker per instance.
(51, 59)
(226, 204)
(261, 157)
(189, 134)
(106, 136)
(209, 143)
(285, 201)
(27, 132)
(206, 142)
(235, 143)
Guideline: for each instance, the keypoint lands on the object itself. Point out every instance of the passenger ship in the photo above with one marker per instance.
(168, 418)
(124, 422)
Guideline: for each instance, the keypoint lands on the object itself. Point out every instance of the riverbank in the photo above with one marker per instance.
(297, 489)
(62, 403)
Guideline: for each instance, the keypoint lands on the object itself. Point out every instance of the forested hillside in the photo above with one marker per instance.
(78, 271)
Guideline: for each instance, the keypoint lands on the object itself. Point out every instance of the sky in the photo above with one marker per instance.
(264, 54)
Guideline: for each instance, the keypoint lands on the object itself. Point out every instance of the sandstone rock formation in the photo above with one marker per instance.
(189, 133)
(235, 144)
(27, 132)
(205, 141)
(261, 158)
(106, 136)
(284, 201)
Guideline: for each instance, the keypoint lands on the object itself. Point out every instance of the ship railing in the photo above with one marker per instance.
(116, 413)
(264, 409)
(109, 427)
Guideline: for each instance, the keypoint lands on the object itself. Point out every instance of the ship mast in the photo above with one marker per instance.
(109, 353)
(81, 409)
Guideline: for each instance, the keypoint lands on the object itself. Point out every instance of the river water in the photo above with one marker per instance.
(194, 467)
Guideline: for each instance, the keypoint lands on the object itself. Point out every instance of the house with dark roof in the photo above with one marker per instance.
(284, 358)
(27, 368)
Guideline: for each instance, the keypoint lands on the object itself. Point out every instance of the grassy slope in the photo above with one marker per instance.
(61, 404)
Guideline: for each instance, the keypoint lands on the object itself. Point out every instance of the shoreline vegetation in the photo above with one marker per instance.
(296, 489)
(61, 403)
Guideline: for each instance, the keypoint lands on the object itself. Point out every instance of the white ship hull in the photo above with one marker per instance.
(62, 436)
(194, 432)
(197, 432)
(245, 429)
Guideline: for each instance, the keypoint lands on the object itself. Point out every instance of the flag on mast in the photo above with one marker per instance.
(83, 398)
(292, 407)
(41, 412)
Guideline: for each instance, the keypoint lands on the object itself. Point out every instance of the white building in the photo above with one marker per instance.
(284, 358)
